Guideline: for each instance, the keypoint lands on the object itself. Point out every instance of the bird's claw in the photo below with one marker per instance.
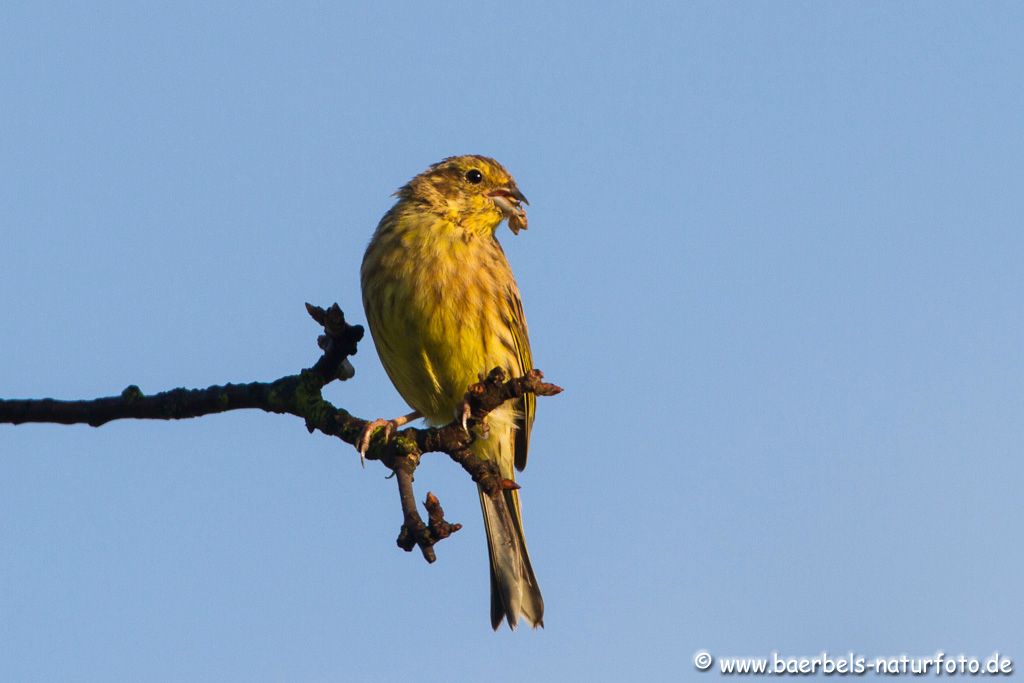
(363, 444)
(368, 431)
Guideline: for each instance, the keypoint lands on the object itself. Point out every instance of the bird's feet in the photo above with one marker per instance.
(481, 429)
(389, 427)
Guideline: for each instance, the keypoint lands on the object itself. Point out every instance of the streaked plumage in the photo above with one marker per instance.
(443, 308)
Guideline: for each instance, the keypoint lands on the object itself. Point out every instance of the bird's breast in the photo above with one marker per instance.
(436, 300)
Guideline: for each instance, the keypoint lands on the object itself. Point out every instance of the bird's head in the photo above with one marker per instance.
(475, 191)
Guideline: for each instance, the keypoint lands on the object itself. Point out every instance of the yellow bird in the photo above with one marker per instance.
(443, 308)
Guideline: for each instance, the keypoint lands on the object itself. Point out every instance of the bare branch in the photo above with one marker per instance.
(301, 395)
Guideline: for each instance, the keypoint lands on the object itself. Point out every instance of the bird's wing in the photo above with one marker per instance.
(526, 405)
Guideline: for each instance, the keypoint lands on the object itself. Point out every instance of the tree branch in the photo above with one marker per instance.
(301, 395)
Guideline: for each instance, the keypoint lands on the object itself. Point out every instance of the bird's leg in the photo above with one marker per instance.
(389, 427)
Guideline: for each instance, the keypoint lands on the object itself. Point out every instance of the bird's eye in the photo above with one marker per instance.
(474, 176)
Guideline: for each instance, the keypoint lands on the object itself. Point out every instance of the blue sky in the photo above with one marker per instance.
(773, 256)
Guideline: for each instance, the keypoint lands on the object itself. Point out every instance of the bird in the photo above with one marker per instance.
(443, 309)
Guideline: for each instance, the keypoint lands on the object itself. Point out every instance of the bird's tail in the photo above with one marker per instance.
(514, 589)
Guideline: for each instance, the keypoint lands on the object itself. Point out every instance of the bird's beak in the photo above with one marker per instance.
(510, 200)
